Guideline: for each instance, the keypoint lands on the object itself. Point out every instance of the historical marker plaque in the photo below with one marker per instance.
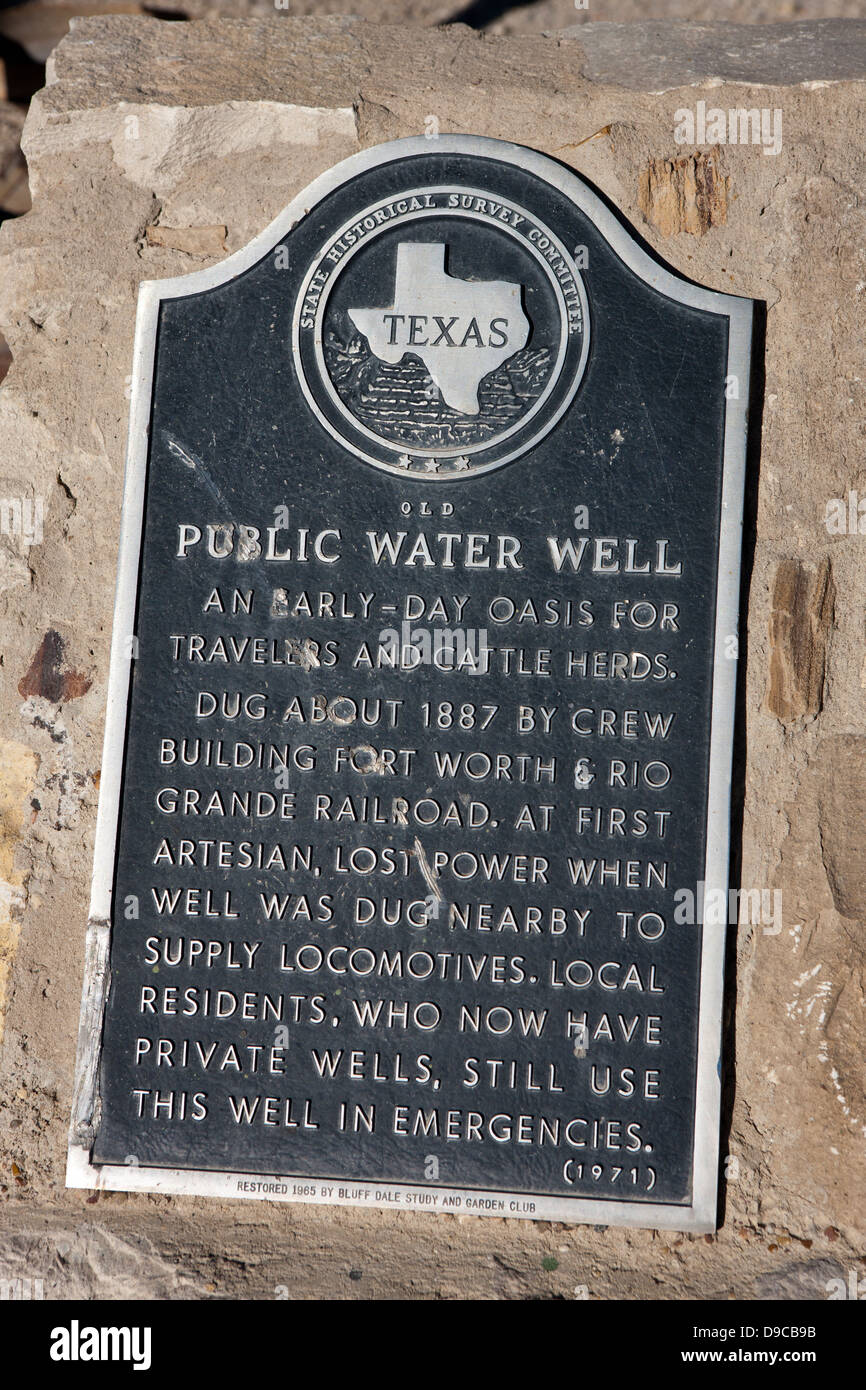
(417, 756)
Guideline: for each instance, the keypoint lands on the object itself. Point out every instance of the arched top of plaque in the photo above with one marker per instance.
(437, 301)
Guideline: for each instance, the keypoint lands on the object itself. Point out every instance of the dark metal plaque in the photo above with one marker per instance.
(418, 745)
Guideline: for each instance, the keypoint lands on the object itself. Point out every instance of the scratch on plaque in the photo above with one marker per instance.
(370, 760)
(248, 546)
(86, 1103)
(677, 374)
(341, 709)
(304, 649)
(183, 454)
(662, 473)
(617, 440)
(195, 465)
(429, 877)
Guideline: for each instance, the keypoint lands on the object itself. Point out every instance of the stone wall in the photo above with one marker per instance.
(153, 150)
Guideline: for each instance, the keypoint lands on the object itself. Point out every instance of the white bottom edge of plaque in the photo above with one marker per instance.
(346, 1192)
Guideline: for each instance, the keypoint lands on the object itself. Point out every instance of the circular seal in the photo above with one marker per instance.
(442, 332)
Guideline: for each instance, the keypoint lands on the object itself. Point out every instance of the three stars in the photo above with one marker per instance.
(432, 465)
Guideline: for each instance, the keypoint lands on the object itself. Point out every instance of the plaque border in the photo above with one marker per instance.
(700, 1214)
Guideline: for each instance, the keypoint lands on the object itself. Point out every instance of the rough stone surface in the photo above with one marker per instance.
(548, 16)
(203, 129)
(14, 195)
(801, 623)
(37, 27)
(656, 55)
